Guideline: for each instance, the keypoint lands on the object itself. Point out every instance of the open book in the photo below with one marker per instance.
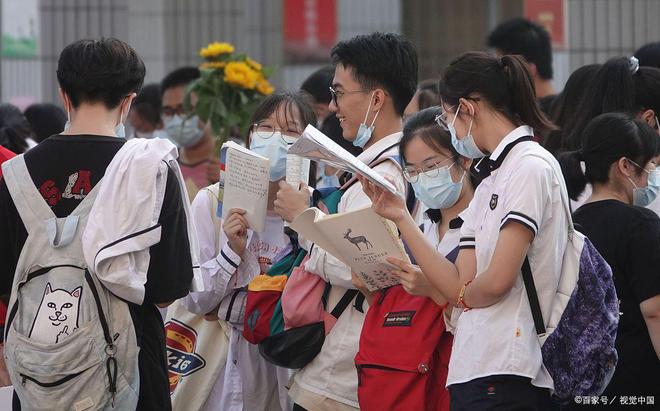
(361, 239)
(315, 145)
(245, 182)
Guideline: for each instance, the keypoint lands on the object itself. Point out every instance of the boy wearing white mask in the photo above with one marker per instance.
(375, 79)
(198, 162)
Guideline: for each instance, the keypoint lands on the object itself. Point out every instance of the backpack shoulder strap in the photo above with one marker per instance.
(533, 297)
(28, 201)
(344, 302)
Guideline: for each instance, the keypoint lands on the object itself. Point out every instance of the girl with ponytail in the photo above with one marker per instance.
(516, 214)
(620, 85)
(618, 154)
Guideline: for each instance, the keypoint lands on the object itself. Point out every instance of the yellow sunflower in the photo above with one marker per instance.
(264, 87)
(240, 74)
(216, 49)
(253, 64)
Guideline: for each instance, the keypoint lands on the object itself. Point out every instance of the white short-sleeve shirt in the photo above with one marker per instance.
(521, 188)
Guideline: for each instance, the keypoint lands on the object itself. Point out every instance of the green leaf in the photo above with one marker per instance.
(203, 108)
(267, 71)
(244, 98)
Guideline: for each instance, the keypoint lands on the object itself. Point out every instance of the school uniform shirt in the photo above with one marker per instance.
(248, 381)
(628, 238)
(65, 169)
(448, 244)
(521, 188)
(332, 374)
(448, 247)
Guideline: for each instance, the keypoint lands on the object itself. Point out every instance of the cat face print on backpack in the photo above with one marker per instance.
(57, 316)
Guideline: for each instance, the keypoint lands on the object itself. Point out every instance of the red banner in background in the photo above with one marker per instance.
(310, 30)
(549, 14)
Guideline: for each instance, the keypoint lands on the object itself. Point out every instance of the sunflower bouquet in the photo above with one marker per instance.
(228, 90)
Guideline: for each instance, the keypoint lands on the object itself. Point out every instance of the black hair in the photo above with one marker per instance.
(385, 60)
(521, 36)
(616, 87)
(271, 103)
(179, 77)
(45, 119)
(607, 138)
(318, 84)
(423, 125)
(14, 129)
(428, 94)
(505, 83)
(105, 70)
(567, 105)
(649, 55)
(148, 103)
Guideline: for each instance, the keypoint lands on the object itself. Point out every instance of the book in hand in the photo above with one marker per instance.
(361, 239)
(245, 181)
(315, 145)
(297, 170)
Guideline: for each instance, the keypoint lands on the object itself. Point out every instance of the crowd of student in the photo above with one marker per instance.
(485, 157)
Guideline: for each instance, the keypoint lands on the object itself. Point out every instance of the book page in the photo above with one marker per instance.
(315, 145)
(246, 186)
(297, 170)
(306, 226)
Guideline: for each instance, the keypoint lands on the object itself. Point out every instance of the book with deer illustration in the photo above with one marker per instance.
(244, 181)
(361, 239)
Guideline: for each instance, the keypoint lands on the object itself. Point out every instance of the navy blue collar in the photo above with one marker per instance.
(487, 165)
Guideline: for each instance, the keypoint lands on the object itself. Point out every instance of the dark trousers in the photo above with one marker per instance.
(501, 393)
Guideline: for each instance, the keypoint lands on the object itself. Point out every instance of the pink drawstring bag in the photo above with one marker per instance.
(304, 300)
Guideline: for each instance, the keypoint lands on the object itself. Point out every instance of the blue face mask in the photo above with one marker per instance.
(120, 130)
(183, 132)
(364, 133)
(273, 146)
(643, 196)
(440, 191)
(465, 146)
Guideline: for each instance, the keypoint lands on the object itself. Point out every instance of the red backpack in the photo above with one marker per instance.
(404, 354)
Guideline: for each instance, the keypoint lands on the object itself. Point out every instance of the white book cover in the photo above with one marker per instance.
(315, 145)
(246, 183)
(297, 170)
(361, 239)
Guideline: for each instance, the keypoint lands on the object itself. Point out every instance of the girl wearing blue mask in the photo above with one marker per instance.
(619, 153)
(490, 110)
(443, 183)
(232, 256)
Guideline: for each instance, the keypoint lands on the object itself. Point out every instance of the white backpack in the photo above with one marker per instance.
(70, 344)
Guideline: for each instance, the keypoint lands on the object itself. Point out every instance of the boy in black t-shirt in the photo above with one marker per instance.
(98, 81)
